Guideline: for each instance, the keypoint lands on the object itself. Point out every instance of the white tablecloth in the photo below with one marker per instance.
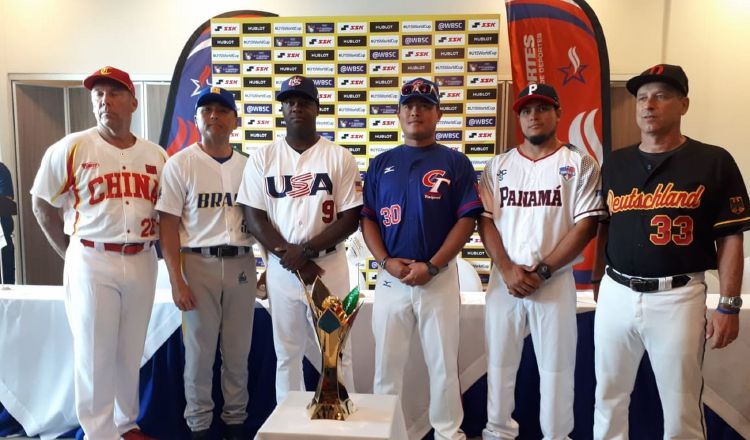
(36, 347)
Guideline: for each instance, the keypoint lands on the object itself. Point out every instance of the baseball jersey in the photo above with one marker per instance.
(535, 203)
(416, 195)
(664, 221)
(107, 193)
(203, 192)
(301, 192)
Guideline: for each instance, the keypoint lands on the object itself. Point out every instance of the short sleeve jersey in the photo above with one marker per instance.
(203, 192)
(107, 194)
(301, 192)
(665, 221)
(416, 195)
(535, 203)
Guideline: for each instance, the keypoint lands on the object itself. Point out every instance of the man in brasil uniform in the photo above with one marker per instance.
(678, 207)
(105, 180)
(420, 208)
(302, 196)
(211, 264)
(541, 206)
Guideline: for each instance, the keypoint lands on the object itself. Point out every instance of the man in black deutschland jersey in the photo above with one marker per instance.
(678, 207)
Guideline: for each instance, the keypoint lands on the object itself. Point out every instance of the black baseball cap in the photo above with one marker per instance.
(542, 92)
(298, 85)
(666, 73)
(216, 94)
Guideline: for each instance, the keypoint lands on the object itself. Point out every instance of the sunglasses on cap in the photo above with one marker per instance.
(418, 89)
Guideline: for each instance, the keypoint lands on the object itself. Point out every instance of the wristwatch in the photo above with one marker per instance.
(431, 268)
(732, 302)
(543, 271)
(309, 252)
(382, 262)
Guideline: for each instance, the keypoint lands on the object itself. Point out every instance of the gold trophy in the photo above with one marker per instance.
(333, 319)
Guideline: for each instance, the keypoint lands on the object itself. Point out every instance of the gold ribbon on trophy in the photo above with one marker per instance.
(333, 319)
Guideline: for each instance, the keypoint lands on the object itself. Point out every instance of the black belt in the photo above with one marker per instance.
(640, 284)
(219, 251)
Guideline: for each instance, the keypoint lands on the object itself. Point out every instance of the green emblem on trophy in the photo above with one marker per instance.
(333, 318)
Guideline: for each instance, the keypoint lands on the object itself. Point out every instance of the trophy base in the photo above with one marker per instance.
(339, 410)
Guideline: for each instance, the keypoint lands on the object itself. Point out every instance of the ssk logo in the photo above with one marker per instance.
(351, 136)
(286, 55)
(256, 69)
(384, 68)
(325, 96)
(352, 82)
(256, 41)
(417, 54)
(226, 82)
(319, 41)
(452, 95)
(483, 25)
(451, 40)
(301, 185)
(226, 29)
(256, 28)
(258, 122)
(383, 122)
(482, 80)
(352, 28)
(483, 135)
(416, 40)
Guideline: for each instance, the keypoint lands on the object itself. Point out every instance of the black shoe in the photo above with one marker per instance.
(203, 434)
(235, 432)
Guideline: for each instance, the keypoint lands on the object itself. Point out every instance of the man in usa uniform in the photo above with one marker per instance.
(541, 206)
(211, 264)
(302, 197)
(420, 208)
(105, 181)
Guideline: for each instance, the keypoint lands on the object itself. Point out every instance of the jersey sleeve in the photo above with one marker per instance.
(487, 188)
(588, 191)
(56, 174)
(349, 192)
(733, 215)
(369, 209)
(173, 190)
(251, 192)
(466, 185)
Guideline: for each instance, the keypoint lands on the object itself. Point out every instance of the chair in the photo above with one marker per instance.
(468, 278)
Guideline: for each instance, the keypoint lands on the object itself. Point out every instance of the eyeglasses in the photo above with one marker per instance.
(419, 89)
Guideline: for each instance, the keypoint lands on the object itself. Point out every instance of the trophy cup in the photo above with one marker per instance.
(333, 319)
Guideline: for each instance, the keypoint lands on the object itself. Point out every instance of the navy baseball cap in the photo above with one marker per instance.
(542, 92)
(420, 88)
(298, 85)
(666, 73)
(216, 94)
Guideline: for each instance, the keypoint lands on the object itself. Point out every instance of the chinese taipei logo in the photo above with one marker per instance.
(433, 179)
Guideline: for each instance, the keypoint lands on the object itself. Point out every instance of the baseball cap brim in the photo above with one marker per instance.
(526, 98)
(284, 95)
(636, 82)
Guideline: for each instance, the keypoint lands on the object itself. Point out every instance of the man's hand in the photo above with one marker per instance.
(418, 274)
(398, 267)
(521, 280)
(183, 297)
(723, 328)
(292, 257)
(310, 271)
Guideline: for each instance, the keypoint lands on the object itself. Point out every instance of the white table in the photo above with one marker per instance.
(36, 346)
(377, 417)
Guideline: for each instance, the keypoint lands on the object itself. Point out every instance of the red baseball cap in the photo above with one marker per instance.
(112, 73)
